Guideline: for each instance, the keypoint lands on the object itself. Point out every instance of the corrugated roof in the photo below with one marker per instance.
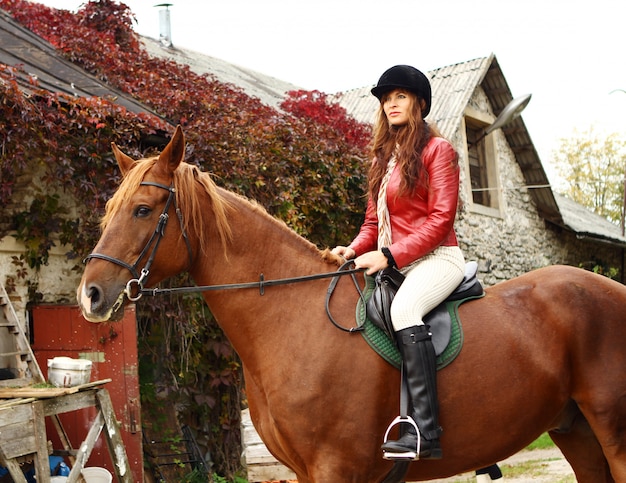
(41, 63)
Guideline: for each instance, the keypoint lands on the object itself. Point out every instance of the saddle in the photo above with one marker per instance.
(443, 320)
(439, 318)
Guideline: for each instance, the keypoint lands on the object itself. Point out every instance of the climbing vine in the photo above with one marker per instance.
(304, 163)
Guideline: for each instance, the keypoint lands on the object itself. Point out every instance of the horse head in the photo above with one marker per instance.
(138, 246)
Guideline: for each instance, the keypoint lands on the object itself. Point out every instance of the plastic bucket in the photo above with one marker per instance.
(58, 479)
(95, 474)
(68, 372)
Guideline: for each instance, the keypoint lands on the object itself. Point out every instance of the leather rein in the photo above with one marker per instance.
(135, 289)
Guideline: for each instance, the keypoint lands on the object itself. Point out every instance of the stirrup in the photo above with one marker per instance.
(408, 455)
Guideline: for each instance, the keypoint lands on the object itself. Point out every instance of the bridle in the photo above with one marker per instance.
(134, 287)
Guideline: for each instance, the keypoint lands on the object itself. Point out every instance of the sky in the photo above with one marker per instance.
(569, 54)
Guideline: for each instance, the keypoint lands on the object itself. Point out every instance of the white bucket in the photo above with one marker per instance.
(58, 479)
(95, 474)
(68, 372)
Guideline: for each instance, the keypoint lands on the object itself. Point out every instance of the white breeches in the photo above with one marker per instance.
(428, 282)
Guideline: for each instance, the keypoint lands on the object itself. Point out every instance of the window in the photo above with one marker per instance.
(477, 166)
(482, 168)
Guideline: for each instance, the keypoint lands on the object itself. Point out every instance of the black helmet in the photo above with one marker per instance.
(405, 77)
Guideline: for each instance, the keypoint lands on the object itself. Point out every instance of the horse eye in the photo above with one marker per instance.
(142, 211)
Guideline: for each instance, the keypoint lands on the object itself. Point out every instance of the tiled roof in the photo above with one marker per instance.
(452, 86)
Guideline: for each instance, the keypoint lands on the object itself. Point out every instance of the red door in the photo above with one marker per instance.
(60, 330)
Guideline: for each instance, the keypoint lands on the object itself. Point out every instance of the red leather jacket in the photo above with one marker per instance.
(424, 220)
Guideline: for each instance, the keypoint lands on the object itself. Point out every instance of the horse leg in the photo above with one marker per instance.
(583, 452)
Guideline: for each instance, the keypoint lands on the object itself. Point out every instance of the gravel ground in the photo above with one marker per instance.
(545, 466)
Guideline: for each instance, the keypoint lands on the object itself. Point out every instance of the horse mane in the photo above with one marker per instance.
(288, 232)
(191, 205)
(187, 198)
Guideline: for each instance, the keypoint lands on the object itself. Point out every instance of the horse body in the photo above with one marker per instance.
(542, 352)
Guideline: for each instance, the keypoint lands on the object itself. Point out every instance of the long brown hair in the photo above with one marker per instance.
(407, 143)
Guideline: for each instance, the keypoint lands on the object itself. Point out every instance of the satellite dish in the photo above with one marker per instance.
(512, 110)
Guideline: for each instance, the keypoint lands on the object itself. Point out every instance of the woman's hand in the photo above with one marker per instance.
(373, 261)
(346, 252)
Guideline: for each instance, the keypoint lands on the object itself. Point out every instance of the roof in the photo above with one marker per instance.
(269, 90)
(587, 224)
(40, 62)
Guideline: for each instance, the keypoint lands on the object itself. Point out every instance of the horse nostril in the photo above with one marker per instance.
(95, 296)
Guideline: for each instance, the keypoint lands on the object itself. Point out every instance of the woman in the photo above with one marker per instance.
(413, 194)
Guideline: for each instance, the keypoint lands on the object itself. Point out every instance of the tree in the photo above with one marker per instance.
(593, 168)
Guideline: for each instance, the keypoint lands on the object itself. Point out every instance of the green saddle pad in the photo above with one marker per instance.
(386, 348)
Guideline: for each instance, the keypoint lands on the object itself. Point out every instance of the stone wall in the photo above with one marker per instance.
(54, 283)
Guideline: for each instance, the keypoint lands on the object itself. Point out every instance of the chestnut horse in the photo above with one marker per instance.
(543, 352)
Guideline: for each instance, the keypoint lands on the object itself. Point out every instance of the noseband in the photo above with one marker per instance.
(139, 278)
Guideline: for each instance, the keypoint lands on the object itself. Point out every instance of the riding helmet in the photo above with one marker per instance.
(405, 77)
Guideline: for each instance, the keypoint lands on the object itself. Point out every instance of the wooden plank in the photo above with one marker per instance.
(69, 402)
(20, 413)
(114, 439)
(260, 464)
(18, 440)
(42, 463)
(64, 438)
(15, 470)
(82, 455)
(276, 472)
(46, 392)
(6, 403)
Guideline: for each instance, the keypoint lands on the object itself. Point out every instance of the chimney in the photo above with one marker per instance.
(165, 27)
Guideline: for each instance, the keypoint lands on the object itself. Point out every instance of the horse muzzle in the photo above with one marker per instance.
(96, 306)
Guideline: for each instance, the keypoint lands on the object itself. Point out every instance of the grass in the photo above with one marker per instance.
(542, 442)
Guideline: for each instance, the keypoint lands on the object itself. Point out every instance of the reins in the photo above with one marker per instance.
(262, 284)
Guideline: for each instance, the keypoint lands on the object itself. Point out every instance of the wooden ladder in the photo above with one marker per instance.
(18, 365)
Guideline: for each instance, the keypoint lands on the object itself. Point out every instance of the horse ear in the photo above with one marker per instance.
(174, 152)
(123, 161)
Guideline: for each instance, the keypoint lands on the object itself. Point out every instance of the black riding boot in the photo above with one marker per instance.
(420, 369)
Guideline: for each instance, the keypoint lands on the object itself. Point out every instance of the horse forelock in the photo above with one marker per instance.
(190, 183)
(128, 186)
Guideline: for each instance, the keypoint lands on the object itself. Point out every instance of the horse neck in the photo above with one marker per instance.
(260, 245)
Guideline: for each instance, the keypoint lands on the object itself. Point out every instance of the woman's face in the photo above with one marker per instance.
(398, 105)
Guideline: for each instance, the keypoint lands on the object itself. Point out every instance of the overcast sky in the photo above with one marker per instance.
(569, 54)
